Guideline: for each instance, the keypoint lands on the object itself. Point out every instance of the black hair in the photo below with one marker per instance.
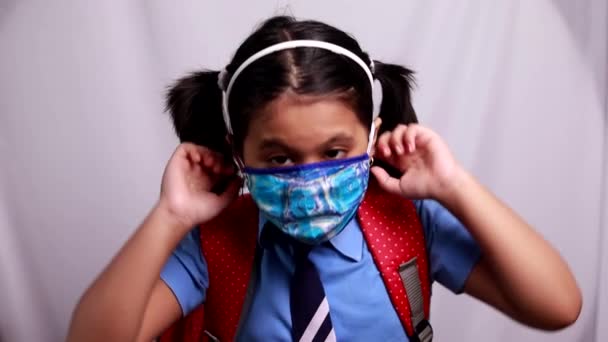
(195, 101)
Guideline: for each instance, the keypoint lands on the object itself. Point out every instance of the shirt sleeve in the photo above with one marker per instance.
(452, 250)
(185, 273)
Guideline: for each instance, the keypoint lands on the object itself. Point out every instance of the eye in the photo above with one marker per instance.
(335, 153)
(279, 160)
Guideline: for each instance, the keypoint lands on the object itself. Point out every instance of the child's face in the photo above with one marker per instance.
(297, 129)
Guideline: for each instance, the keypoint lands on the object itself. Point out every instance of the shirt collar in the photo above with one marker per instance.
(349, 242)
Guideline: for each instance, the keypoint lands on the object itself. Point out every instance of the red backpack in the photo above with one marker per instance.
(393, 233)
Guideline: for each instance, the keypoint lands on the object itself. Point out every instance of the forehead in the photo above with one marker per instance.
(295, 117)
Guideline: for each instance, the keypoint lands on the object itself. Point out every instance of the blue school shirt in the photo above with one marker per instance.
(360, 307)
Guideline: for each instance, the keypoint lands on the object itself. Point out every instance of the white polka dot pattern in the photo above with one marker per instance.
(228, 243)
(393, 242)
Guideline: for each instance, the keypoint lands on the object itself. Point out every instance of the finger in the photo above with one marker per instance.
(396, 140)
(190, 149)
(228, 168)
(417, 136)
(202, 155)
(388, 183)
(216, 169)
(424, 135)
(195, 157)
(409, 138)
(216, 164)
(210, 161)
(232, 190)
(192, 153)
(382, 145)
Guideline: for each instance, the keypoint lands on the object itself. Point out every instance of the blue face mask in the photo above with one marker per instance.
(313, 202)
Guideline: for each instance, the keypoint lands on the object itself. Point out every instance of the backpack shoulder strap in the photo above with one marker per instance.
(228, 243)
(396, 241)
(390, 227)
(229, 246)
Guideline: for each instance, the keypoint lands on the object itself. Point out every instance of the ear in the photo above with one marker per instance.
(377, 124)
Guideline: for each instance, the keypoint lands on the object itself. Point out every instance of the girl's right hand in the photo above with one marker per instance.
(189, 177)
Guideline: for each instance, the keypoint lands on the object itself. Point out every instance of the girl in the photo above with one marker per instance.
(294, 110)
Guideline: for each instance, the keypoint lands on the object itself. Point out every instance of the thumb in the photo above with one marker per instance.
(388, 183)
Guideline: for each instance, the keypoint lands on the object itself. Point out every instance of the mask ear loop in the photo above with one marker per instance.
(237, 161)
(370, 142)
(240, 166)
(376, 101)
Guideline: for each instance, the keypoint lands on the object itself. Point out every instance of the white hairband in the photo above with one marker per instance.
(284, 46)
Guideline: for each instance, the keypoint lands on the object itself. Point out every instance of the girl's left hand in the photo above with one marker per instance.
(428, 167)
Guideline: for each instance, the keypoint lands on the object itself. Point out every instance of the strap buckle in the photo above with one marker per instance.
(211, 336)
(424, 331)
(408, 272)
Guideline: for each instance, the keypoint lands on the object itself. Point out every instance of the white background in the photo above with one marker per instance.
(517, 88)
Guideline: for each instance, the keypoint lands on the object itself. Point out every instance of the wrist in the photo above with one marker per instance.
(454, 189)
(170, 219)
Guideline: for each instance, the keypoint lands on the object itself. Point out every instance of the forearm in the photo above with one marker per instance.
(530, 274)
(113, 307)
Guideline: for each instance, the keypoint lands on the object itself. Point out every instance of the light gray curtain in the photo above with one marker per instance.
(517, 88)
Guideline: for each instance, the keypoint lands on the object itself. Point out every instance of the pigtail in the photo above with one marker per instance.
(195, 105)
(396, 107)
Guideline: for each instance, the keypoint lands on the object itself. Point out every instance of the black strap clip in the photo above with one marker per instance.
(423, 332)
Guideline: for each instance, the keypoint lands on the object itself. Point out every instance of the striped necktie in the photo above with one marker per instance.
(310, 317)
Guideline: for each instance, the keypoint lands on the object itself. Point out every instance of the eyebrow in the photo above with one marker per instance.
(340, 138)
(274, 143)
